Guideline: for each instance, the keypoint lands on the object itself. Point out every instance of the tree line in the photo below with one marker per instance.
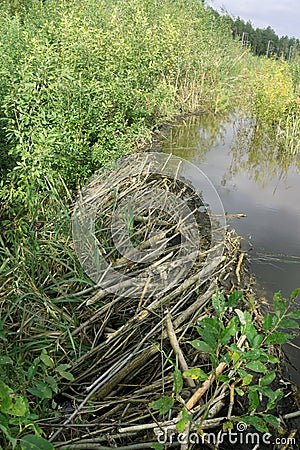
(262, 41)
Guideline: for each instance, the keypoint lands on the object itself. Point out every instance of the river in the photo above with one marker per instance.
(254, 178)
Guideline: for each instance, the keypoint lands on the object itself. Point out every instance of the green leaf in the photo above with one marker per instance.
(157, 446)
(183, 422)
(52, 383)
(272, 359)
(235, 356)
(178, 383)
(268, 379)
(257, 340)
(163, 404)
(46, 359)
(34, 442)
(209, 331)
(294, 294)
(10, 403)
(251, 334)
(4, 360)
(294, 314)
(200, 345)
(11, 439)
(31, 372)
(253, 400)
(239, 391)
(195, 373)
(5, 398)
(229, 331)
(223, 378)
(272, 420)
(279, 302)
(225, 358)
(274, 398)
(288, 323)
(235, 348)
(218, 302)
(66, 375)
(40, 390)
(4, 420)
(234, 299)
(227, 426)
(277, 337)
(268, 320)
(265, 390)
(210, 323)
(256, 422)
(19, 406)
(247, 379)
(63, 367)
(242, 373)
(255, 354)
(256, 366)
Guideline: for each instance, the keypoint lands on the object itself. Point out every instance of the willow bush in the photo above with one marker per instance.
(83, 80)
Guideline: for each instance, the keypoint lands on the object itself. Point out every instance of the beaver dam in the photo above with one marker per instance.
(175, 351)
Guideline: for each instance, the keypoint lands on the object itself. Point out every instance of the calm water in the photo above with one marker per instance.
(256, 179)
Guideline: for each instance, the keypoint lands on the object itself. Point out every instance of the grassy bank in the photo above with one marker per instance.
(82, 83)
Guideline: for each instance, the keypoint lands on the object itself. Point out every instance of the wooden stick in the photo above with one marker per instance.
(171, 424)
(207, 383)
(177, 350)
(231, 401)
(238, 267)
(291, 415)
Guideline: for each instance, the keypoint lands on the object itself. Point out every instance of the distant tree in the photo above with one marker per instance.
(262, 41)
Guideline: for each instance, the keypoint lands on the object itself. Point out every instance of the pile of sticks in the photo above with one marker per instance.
(131, 335)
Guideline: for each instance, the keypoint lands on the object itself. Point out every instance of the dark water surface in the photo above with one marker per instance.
(254, 178)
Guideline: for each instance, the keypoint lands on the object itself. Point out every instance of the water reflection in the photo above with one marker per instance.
(255, 177)
(256, 151)
(252, 149)
(196, 136)
(252, 175)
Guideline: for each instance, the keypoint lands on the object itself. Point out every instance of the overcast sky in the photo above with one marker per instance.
(282, 15)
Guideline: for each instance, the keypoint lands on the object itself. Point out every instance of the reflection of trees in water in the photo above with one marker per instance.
(253, 148)
(256, 150)
(196, 137)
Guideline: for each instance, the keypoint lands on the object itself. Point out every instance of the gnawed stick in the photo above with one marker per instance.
(201, 300)
(138, 361)
(207, 383)
(231, 401)
(177, 350)
(195, 306)
(291, 415)
(238, 267)
(171, 425)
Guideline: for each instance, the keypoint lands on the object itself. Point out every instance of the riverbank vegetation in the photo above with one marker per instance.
(83, 83)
